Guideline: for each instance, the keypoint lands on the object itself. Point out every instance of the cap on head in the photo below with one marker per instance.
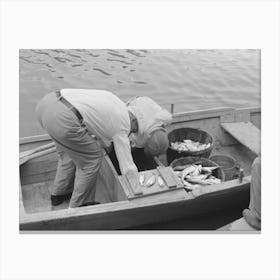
(157, 143)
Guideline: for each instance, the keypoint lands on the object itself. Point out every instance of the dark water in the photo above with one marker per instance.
(191, 79)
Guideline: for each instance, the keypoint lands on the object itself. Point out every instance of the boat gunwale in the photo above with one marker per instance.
(177, 118)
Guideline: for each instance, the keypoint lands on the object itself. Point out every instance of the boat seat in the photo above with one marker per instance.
(245, 133)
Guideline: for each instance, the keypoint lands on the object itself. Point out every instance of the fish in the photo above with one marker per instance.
(151, 181)
(197, 170)
(198, 181)
(204, 181)
(188, 141)
(186, 183)
(160, 182)
(190, 186)
(213, 181)
(189, 145)
(141, 179)
(187, 171)
(178, 173)
(209, 169)
(197, 177)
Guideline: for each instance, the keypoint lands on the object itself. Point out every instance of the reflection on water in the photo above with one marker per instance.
(191, 79)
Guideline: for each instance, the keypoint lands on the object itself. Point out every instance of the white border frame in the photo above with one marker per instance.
(155, 24)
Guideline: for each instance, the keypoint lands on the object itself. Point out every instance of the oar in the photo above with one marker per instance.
(35, 150)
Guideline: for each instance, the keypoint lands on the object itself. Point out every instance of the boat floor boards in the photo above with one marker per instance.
(246, 133)
(37, 197)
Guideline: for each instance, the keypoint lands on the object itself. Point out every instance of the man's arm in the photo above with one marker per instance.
(123, 153)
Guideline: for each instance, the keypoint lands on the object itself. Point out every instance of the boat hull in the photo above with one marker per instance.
(121, 213)
(125, 214)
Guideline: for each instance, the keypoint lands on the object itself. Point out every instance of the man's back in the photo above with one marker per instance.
(104, 114)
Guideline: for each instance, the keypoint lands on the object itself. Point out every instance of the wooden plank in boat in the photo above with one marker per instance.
(33, 168)
(133, 180)
(39, 169)
(47, 157)
(125, 186)
(36, 178)
(245, 133)
(168, 176)
(21, 206)
(32, 139)
(255, 119)
(36, 197)
(154, 193)
(201, 114)
(242, 116)
(113, 184)
(153, 190)
(179, 193)
(104, 187)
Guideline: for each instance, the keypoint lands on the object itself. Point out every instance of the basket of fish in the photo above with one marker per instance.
(187, 141)
(196, 172)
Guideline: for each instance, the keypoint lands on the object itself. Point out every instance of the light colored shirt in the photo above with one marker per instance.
(106, 117)
(149, 115)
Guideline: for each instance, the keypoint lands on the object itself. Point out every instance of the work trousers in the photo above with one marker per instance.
(255, 190)
(79, 154)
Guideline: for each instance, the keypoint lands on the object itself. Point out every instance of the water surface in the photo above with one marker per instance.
(191, 79)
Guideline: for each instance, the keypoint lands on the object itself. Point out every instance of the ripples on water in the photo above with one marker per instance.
(191, 79)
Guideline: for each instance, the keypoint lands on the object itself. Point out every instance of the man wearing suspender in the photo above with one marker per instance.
(82, 122)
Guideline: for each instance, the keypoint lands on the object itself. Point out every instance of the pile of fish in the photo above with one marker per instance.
(151, 181)
(189, 146)
(196, 175)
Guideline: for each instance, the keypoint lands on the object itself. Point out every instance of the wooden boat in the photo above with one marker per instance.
(236, 132)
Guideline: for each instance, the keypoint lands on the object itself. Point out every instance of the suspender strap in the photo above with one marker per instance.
(69, 105)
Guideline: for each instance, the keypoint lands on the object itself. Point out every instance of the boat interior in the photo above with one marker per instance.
(37, 175)
(37, 178)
